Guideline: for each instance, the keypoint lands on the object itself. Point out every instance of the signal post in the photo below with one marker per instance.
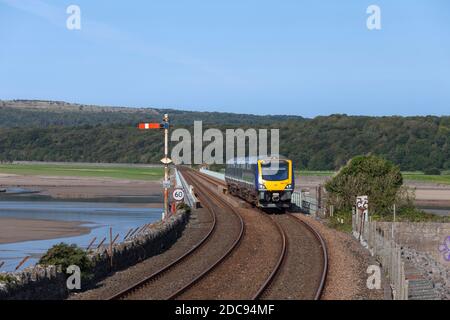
(166, 160)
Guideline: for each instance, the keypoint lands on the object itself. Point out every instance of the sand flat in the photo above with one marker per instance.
(81, 187)
(17, 230)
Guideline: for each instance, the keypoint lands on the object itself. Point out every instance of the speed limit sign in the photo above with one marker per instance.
(178, 194)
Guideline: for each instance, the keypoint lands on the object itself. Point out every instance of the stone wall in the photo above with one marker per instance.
(49, 283)
(420, 244)
(424, 237)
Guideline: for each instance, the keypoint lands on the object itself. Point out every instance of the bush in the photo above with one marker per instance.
(66, 255)
(183, 206)
(432, 172)
(373, 176)
(8, 279)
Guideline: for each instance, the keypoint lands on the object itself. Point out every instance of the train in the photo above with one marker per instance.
(266, 182)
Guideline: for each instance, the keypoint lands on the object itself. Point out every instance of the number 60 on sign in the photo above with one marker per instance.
(178, 194)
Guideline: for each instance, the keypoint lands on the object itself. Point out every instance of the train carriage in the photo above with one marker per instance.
(266, 182)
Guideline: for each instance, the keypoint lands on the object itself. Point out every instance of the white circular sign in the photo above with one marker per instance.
(178, 194)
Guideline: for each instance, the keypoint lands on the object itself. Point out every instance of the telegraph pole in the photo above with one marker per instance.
(166, 160)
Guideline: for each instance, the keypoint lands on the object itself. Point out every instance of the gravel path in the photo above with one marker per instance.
(347, 265)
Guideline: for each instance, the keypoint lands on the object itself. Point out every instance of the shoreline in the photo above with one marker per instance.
(133, 193)
(72, 187)
(15, 230)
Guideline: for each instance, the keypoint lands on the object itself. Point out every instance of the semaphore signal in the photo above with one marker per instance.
(166, 160)
(152, 125)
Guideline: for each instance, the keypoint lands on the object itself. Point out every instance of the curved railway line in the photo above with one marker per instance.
(275, 287)
(227, 253)
(301, 265)
(137, 290)
(301, 272)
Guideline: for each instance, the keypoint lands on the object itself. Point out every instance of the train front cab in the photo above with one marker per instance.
(275, 186)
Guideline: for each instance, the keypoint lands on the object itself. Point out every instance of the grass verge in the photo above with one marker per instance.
(444, 178)
(80, 170)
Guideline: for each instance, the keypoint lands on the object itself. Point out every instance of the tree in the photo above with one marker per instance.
(371, 175)
(66, 255)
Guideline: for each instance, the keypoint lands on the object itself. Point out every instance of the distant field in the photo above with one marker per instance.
(444, 178)
(314, 173)
(122, 172)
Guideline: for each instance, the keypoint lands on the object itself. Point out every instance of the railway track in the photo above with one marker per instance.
(292, 277)
(279, 284)
(138, 290)
(228, 252)
(302, 268)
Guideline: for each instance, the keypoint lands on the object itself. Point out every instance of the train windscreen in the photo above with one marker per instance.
(274, 171)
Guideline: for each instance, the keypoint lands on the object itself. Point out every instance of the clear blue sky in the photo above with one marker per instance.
(264, 57)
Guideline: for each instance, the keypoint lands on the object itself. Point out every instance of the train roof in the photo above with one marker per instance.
(253, 160)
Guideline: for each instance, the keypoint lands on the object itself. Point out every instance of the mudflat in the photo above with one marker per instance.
(67, 187)
(81, 187)
(17, 230)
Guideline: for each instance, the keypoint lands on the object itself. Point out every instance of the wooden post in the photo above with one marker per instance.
(101, 242)
(128, 233)
(110, 246)
(22, 262)
(142, 228)
(1, 264)
(131, 234)
(115, 238)
(393, 224)
(91, 243)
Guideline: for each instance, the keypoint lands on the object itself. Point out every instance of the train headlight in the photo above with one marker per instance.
(261, 186)
(289, 186)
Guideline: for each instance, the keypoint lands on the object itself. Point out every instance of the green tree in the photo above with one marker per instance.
(65, 255)
(371, 175)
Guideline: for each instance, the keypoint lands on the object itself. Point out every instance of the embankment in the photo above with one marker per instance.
(49, 282)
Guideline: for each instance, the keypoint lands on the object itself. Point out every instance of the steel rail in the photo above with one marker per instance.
(211, 179)
(266, 285)
(233, 246)
(137, 286)
(324, 254)
(265, 288)
(284, 245)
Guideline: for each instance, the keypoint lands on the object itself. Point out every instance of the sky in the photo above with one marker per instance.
(296, 57)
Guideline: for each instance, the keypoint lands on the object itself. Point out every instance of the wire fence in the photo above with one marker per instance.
(385, 250)
(305, 202)
(106, 242)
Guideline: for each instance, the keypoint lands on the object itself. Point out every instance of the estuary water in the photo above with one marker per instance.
(97, 216)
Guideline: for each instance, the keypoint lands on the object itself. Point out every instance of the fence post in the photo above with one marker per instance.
(406, 289)
(91, 243)
(128, 233)
(400, 266)
(111, 246)
(22, 262)
(101, 242)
